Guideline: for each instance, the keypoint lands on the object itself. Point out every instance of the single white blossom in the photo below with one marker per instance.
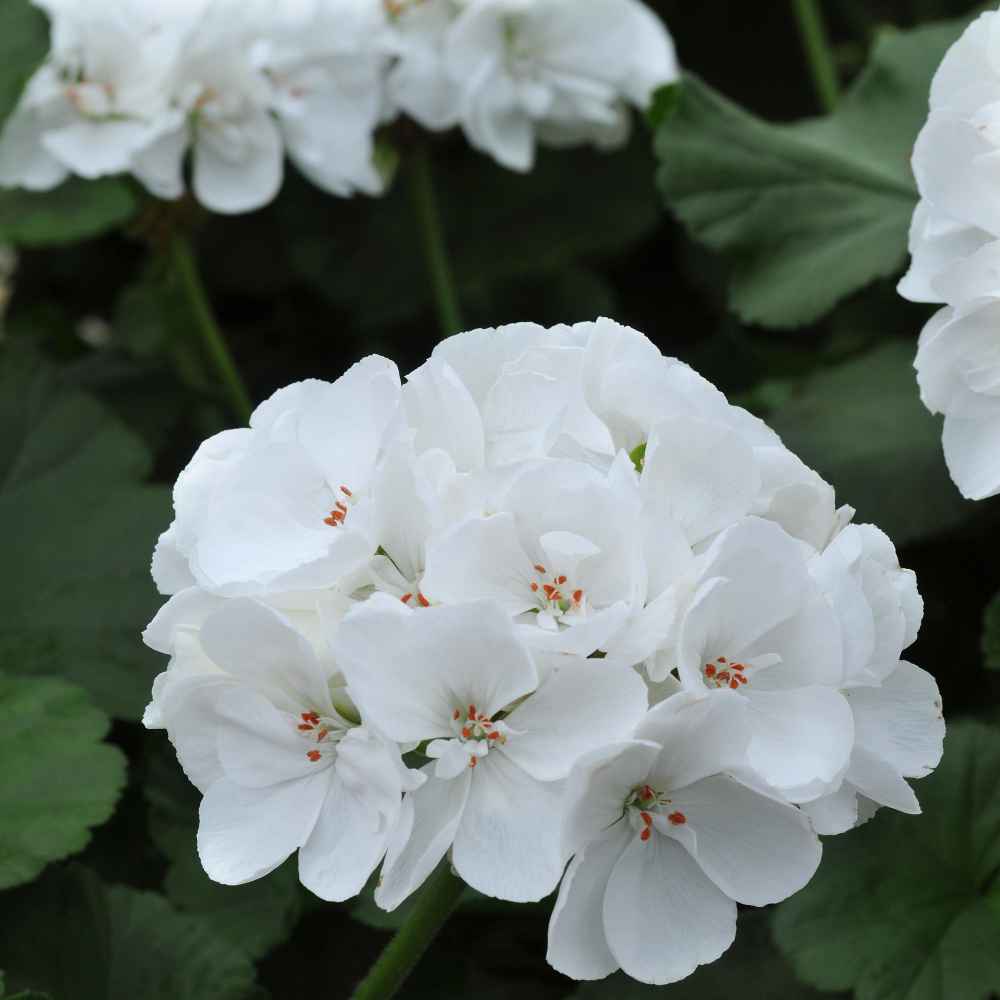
(666, 843)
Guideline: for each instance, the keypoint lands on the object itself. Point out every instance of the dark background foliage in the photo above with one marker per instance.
(95, 425)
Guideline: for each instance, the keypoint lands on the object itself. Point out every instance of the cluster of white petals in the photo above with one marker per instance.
(134, 86)
(955, 244)
(552, 609)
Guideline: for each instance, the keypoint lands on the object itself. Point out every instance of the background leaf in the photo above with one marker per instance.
(24, 43)
(78, 939)
(908, 908)
(810, 212)
(59, 778)
(76, 210)
(862, 426)
(76, 529)
(991, 634)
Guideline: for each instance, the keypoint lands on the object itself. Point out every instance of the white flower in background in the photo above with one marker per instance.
(496, 569)
(551, 70)
(101, 98)
(953, 242)
(666, 843)
(500, 740)
(284, 504)
(250, 709)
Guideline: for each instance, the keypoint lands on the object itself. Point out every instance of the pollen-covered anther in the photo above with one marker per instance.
(677, 818)
(724, 674)
(340, 510)
(473, 726)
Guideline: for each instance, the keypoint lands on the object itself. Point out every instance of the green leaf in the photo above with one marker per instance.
(60, 779)
(76, 210)
(24, 43)
(74, 937)
(862, 426)
(991, 634)
(77, 528)
(751, 960)
(805, 213)
(908, 907)
(253, 917)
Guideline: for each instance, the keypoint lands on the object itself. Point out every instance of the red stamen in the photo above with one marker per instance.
(346, 491)
(493, 736)
(406, 598)
(560, 580)
(646, 831)
(577, 596)
(466, 733)
(472, 762)
(677, 818)
(456, 714)
(646, 818)
(724, 676)
(314, 755)
(534, 588)
(422, 601)
(734, 683)
(304, 726)
(739, 666)
(742, 679)
(539, 568)
(722, 659)
(472, 711)
(709, 670)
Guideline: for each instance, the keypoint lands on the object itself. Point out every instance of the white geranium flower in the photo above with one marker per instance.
(666, 843)
(500, 742)
(956, 255)
(418, 83)
(555, 70)
(101, 99)
(759, 625)
(898, 734)
(250, 709)
(285, 504)
(898, 728)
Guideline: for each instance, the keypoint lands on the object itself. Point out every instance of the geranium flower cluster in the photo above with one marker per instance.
(955, 243)
(551, 602)
(133, 86)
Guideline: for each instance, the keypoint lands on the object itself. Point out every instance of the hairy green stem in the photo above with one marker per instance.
(433, 905)
(436, 253)
(186, 271)
(818, 51)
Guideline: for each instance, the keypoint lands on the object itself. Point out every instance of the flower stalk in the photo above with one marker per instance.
(425, 207)
(186, 271)
(434, 904)
(819, 54)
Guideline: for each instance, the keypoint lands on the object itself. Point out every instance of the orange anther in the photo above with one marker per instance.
(539, 568)
(646, 818)
(422, 601)
(493, 736)
(472, 762)
(406, 598)
(560, 580)
(646, 831)
(346, 491)
(734, 683)
(456, 714)
(304, 726)
(677, 818)
(577, 596)
(472, 711)
(466, 733)
(722, 659)
(314, 755)
(534, 588)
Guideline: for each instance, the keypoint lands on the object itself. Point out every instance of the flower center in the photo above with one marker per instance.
(472, 726)
(723, 673)
(555, 593)
(341, 508)
(322, 735)
(644, 804)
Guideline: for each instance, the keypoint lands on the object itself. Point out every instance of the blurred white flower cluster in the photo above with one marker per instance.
(133, 86)
(553, 600)
(955, 243)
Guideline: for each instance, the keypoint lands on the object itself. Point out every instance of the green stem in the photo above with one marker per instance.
(431, 909)
(429, 218)
(186, 270)
(818, 51)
